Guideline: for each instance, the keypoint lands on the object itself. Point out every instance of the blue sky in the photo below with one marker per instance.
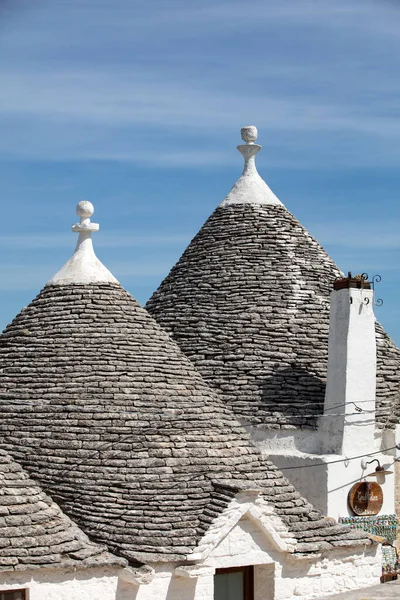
(137, 106)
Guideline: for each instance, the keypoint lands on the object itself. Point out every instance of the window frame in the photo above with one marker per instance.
(248, 579)
(22, 591)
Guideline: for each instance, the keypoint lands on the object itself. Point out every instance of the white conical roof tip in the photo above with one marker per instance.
(83, 267)
(249, 134)
(250, 188)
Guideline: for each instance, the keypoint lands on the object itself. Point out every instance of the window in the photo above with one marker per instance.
(13, 595)
(236, 583)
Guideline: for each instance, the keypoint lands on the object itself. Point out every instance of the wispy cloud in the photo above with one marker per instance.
(112, 99)
(357, 234)
(141, 99)
(124, 89)
(111, 240)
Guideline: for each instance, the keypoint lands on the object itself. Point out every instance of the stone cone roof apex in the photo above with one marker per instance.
(250, 187)
(83, 267)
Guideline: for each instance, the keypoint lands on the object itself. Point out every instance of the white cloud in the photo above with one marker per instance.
(110, 240)
(142, 100)
(161, 83)
(103, 116)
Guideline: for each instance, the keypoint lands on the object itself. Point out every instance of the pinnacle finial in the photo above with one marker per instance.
(85, 210)
(83, 267)
(249, 134)
(250, 188)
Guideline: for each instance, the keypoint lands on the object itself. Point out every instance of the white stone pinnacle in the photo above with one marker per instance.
(84, 266)
(250, 187)
(249, 134)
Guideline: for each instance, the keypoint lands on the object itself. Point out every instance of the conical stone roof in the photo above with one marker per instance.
(248, 303)
(35, 533)
(104, 410)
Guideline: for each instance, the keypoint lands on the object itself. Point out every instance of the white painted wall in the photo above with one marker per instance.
(245, 545)
(332, 573)
(311, 482)
(327, 487)
(166, 585)
(342, 476)
(277, 575)
(57, 584)
(283, 577)
(351, 376)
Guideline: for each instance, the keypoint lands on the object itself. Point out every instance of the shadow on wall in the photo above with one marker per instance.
(179, 588)
(293, 393)
(126, 591)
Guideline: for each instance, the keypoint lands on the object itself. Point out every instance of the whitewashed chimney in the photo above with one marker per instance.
(351, 378)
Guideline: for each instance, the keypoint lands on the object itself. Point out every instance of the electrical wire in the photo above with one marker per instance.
(332, 462)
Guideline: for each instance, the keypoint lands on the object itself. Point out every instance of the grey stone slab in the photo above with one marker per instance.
(40, 534)
(149, 446)
(248, 303)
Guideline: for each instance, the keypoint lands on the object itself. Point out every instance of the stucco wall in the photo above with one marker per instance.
(332, 573)
(166, 585)
(327, 487)
(48, 584)
(351, 374)
(289, 578)
(277, 575)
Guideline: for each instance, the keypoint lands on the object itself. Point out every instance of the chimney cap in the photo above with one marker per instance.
(352, 281)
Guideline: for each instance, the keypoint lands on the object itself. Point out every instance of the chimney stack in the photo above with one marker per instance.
(351, 377)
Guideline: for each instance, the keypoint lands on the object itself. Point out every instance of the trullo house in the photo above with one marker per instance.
(124, 476)
(255, 302)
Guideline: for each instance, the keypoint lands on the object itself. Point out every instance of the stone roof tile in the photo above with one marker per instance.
(104, 410)
(34, 532)
(248, 303)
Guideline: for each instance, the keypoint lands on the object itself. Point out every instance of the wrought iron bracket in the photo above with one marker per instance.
(374, 280)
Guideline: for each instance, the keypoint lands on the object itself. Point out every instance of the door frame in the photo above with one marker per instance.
(248, 579)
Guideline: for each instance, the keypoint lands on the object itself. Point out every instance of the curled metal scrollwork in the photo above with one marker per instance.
(376, 279)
